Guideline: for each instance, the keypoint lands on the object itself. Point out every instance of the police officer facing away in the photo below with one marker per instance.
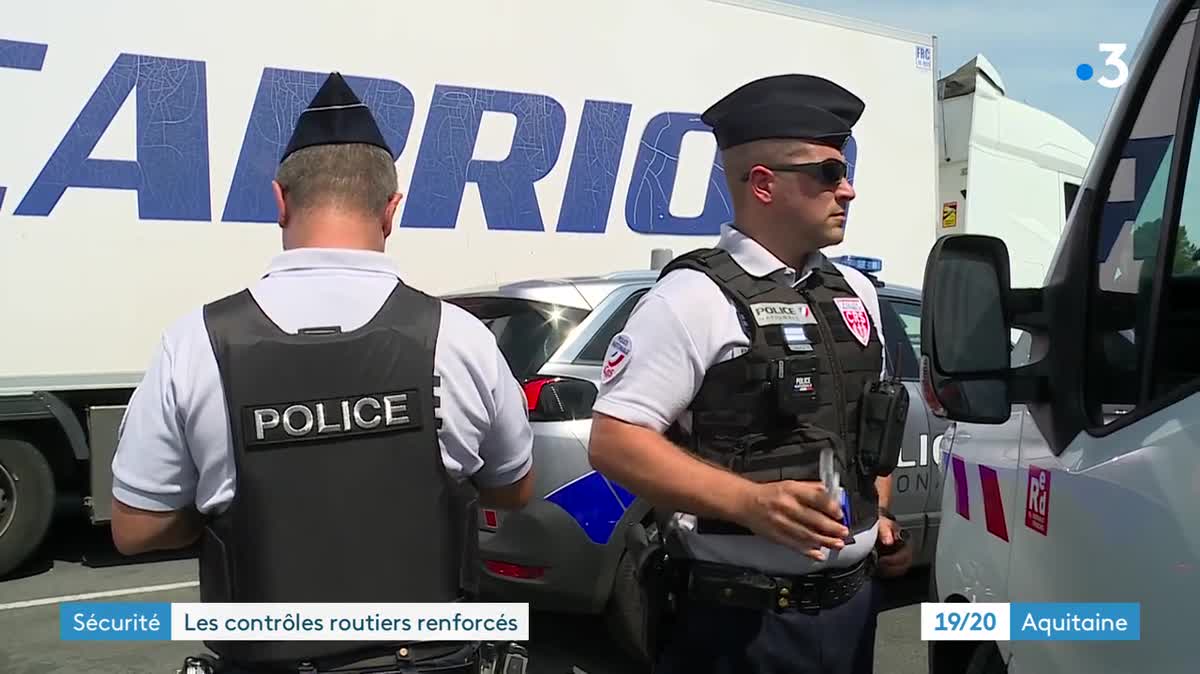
(327, 432)
(752, 357)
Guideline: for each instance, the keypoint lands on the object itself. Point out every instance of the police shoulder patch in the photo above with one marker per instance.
(854, 315)
(620, 350)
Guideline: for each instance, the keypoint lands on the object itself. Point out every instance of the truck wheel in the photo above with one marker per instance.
(624, 610)
(27, 494)
(986, 660)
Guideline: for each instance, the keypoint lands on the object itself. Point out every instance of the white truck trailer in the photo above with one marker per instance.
(533, 139)
(1008, 169)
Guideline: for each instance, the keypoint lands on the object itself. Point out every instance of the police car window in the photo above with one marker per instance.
(902, 332)
(597, 346)
(1127, 254)
(527, 332)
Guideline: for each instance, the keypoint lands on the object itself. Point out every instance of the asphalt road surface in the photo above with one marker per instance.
(79, 560)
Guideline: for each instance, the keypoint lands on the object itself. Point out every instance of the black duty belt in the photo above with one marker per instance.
(486, 657)
(746, 588)
(708, 525)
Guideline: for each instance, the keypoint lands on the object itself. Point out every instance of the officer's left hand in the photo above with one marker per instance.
(898, 562)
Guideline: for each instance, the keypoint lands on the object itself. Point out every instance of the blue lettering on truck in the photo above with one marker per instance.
(172, 180)
(20, 56)
(444, 164)
(171, 171)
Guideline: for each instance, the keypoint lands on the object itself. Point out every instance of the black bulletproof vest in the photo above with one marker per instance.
(803, 352)
(341, 495)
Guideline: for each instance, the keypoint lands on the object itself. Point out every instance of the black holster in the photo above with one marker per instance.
(200, 664)
(883, 411)
(656, 577)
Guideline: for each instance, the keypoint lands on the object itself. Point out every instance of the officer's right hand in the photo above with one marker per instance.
(800, 515)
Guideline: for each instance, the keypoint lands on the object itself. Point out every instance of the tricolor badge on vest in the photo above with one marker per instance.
(796, 338)
(854, 314)
(617, 357)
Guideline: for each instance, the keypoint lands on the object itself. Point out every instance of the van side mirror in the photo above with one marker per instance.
(965, 329)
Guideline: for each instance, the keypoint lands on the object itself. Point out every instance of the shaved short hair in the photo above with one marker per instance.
(739, 159)
(354, 176)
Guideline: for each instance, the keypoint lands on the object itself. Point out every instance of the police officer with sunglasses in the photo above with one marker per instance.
(746, 400)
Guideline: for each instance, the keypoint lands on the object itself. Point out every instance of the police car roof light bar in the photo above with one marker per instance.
(867, 265)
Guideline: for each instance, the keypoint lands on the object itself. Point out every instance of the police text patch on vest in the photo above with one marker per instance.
(331, 419)
(782, 313)
(619, 352)
(803, 384)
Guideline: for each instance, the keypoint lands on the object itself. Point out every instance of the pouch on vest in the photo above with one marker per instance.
(790, 456)
(883, 411)
(795, 381)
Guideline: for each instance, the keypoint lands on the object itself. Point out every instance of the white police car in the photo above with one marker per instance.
(565, 550)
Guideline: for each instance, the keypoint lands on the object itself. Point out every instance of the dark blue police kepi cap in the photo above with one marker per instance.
(335, 117)
(803, 107)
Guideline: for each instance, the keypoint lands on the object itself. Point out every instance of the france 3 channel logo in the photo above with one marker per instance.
(1114, 60)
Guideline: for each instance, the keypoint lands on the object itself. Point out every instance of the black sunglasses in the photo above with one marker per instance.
(829, 172)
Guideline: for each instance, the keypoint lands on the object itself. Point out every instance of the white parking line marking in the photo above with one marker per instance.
(97, 595)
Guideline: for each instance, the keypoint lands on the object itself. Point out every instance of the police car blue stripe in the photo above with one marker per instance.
(623, 494)
(593, 502)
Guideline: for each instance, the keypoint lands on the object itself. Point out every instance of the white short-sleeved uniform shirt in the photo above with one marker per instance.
(679, 329)
(175, 444)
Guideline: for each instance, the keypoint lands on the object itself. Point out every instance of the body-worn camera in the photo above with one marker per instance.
(795, 382)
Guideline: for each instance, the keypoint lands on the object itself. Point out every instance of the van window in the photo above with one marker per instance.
(1021, 349)
(1176, 360)
(527, 332)
(1131, 235)
(1070, 191)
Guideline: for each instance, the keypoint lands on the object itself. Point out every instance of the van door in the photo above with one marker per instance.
(1114, 516)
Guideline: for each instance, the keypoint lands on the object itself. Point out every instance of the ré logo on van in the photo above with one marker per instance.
(1037, 502)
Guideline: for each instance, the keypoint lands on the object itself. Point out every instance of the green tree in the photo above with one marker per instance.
(1145, 247)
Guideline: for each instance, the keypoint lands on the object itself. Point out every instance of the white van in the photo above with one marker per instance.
(1075, 475)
